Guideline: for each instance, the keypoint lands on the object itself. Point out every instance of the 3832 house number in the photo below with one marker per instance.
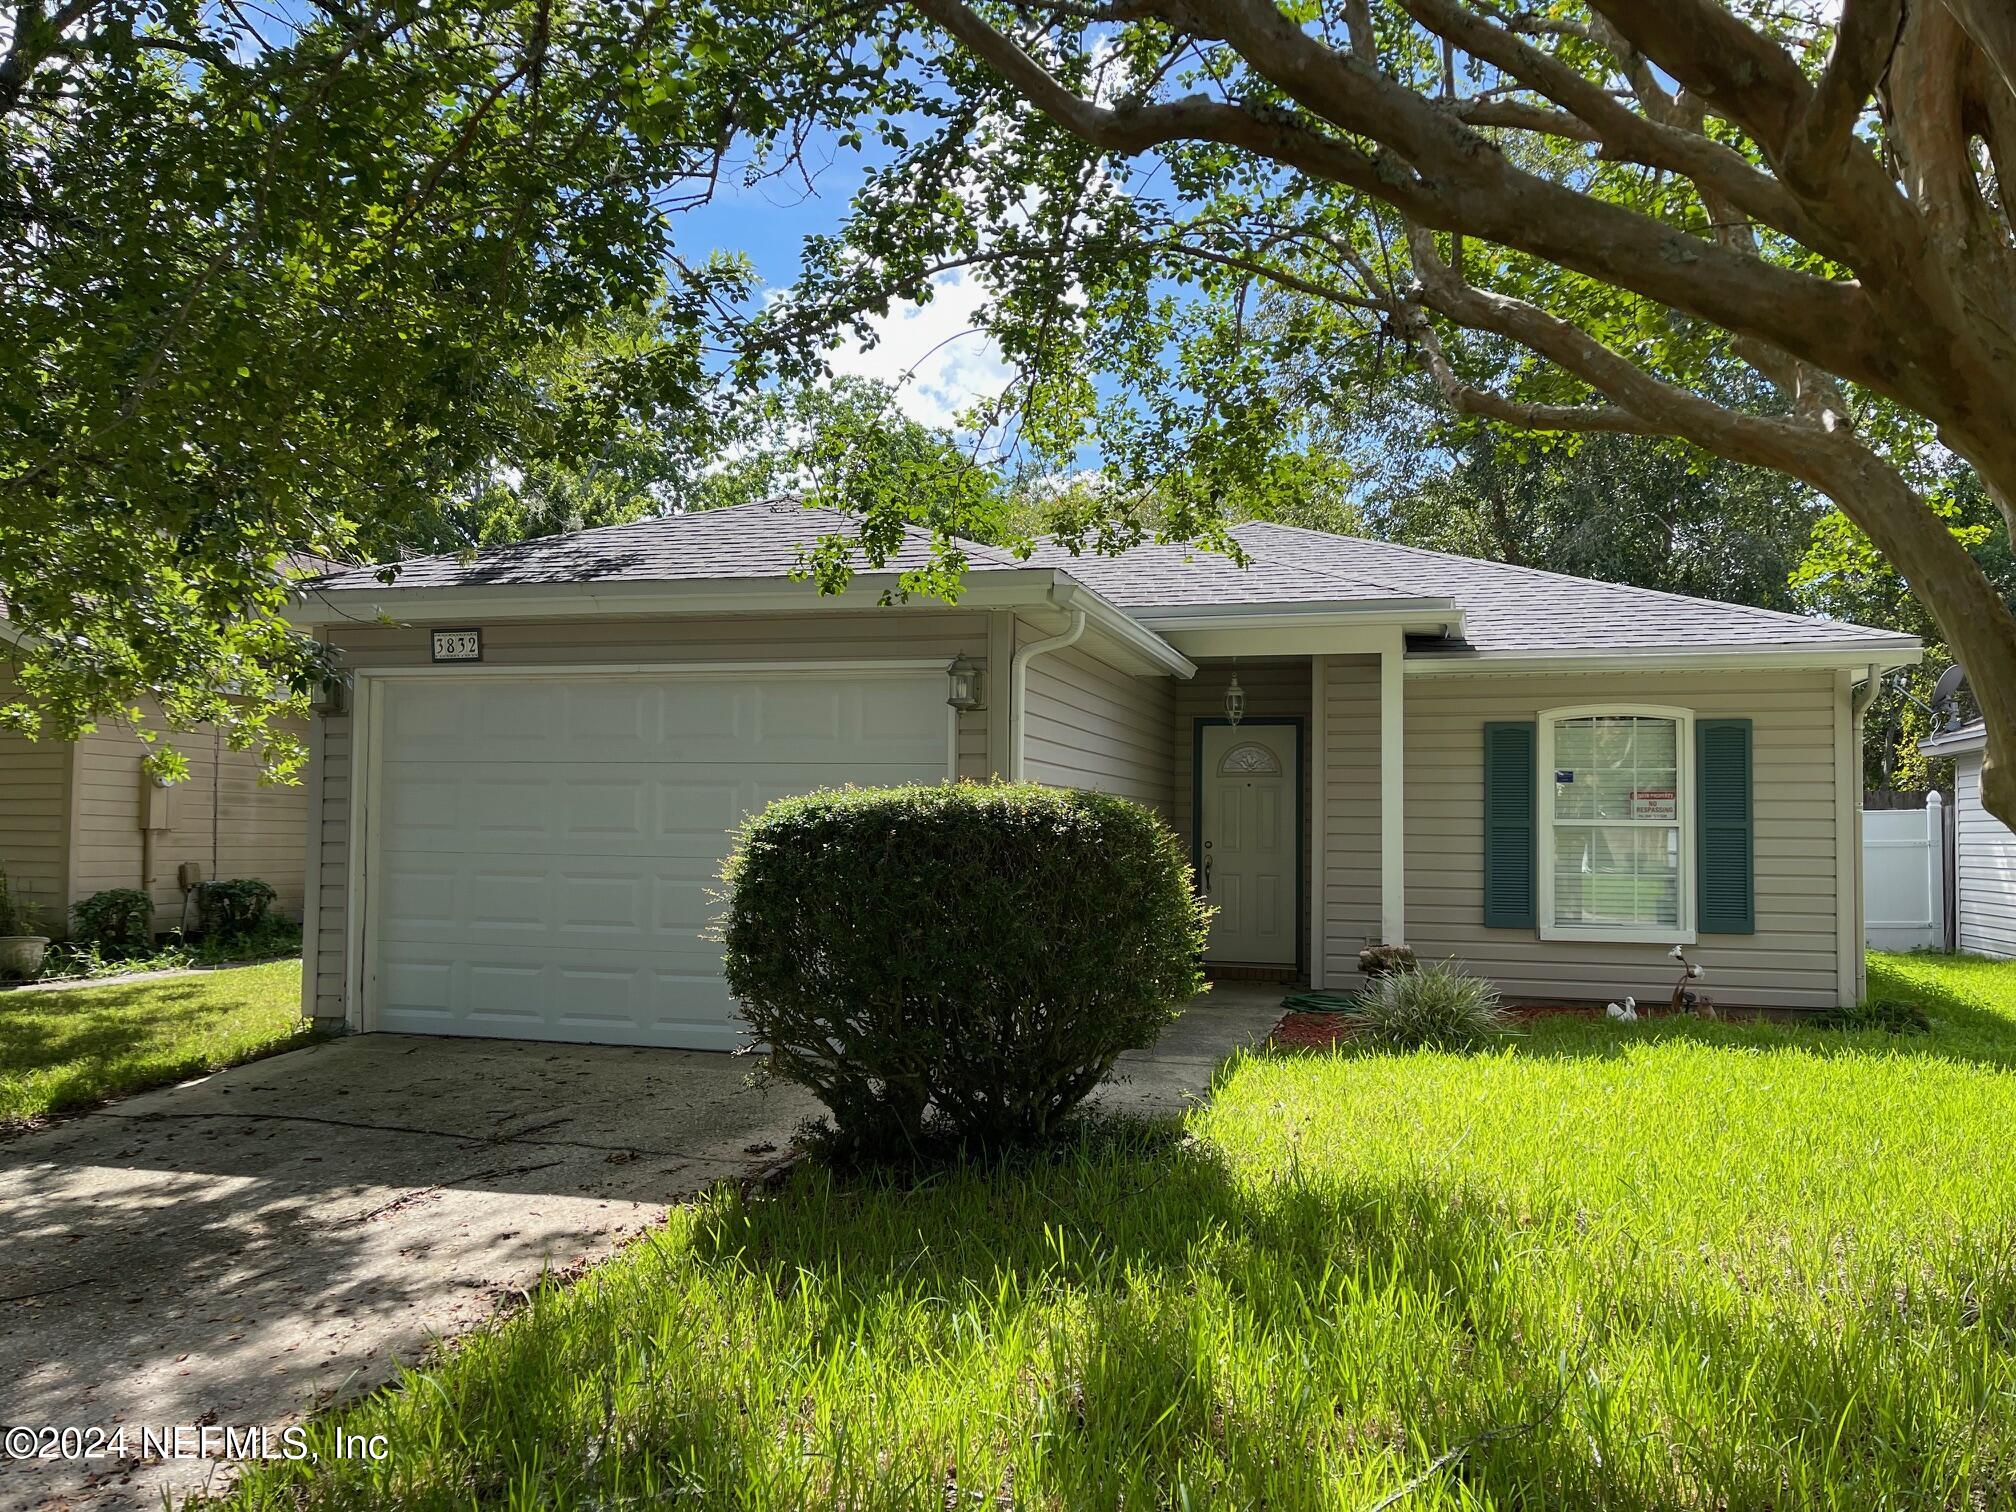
(458, 645)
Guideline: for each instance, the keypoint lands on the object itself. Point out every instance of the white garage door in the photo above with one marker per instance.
(544, 849)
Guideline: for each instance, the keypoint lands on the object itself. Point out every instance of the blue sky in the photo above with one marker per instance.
(931, 353)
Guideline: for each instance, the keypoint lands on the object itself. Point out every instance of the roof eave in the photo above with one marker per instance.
(1881, 654)
(1955, 742)
(991, 588)
(1420, 613)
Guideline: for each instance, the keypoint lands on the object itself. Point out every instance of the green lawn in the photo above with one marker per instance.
(72, 1048)
(1663, 1265)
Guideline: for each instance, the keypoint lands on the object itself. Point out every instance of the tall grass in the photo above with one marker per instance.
(68, 1048)
(1676, 1264)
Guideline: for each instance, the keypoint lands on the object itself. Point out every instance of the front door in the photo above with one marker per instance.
(1250, 778)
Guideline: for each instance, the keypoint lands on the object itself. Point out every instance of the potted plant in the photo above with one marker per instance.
(20, 946)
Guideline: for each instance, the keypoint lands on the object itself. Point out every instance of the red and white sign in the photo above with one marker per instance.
(1654, 803)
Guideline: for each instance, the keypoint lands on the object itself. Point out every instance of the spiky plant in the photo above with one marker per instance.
(1440, 1006)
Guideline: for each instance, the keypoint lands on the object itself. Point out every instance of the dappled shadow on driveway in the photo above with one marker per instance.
(253, 1244)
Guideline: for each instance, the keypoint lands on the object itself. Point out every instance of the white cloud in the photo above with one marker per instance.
(932, 354)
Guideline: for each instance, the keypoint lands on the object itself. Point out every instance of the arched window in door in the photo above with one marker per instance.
(1249, 760)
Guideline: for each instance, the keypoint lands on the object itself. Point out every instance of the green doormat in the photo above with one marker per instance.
(1319, 1002)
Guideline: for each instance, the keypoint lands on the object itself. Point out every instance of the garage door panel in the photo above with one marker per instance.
(648, 1003)
(624, 899)
(520, 898)
(698, 811)
(632, 810)
(603, 808)
(547, 851)
(602, 904)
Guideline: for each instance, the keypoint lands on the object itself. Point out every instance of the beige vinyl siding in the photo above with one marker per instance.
(1790, 962)
(1277, 689)
(1984, 865)
(901, 635)
(34, 822)
(1351, 836)
(224, 818)
(1090, 725)
(329, 794)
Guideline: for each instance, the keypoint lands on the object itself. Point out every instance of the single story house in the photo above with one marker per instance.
(79, 816)
(520, 809)
(1984, 850)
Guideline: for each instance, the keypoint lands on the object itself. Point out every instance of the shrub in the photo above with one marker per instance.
(1892, 1015)
(233, 909)
(118, 920)
(273, 935)
(977, 956)
(1434, 1007)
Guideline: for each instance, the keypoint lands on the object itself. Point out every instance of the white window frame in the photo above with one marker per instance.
(1683, 796)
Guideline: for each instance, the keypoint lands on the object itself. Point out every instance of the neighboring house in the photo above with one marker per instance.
(77, 817)
(1984, 850)
(1552, 779)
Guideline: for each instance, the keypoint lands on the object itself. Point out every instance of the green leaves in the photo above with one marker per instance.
(363, 281)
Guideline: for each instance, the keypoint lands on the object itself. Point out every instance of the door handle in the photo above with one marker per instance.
(1207, 866)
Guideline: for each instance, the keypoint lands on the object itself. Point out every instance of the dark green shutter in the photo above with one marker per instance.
(1510, 854)
(1724, 829)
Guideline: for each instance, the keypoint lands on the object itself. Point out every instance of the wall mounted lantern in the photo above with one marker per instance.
(326, 696)
(969, 684)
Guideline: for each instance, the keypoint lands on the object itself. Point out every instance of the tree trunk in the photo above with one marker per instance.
(1971, 617)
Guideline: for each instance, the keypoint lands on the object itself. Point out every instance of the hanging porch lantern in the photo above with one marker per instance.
(969, 684)
(1235, 701)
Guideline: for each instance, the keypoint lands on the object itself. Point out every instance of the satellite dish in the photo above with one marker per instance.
(1945, 693)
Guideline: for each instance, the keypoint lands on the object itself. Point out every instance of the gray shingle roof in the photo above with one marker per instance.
(1504, 608)
(760, 540)
(1169, 575)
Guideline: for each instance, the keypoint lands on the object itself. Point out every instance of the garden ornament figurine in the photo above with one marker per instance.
(1685, 999)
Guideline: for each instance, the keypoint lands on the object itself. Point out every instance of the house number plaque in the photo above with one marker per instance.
(458, 645)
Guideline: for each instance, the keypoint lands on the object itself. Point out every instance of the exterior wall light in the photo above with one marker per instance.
(326, 697)
(1235, 701)
(969, 684)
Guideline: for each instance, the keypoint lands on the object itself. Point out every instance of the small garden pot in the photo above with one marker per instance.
(21, 955)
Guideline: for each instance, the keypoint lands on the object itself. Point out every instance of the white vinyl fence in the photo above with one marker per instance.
(1904, 876)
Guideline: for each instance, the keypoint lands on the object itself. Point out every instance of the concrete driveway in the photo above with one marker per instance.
(243, 1250)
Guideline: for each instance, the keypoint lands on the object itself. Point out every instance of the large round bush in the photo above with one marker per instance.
(970, 956)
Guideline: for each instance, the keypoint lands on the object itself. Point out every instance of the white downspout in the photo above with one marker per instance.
(1858, 705)
(1018, 687)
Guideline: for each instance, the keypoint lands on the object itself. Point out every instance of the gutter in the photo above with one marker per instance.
(1859, 700)
(1444, 613)
(1897, 651)
(1018, 687)
(1071, 595)
(318, 607)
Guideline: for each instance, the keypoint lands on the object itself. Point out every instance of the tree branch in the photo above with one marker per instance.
(1992, 25)
(1459, 181)
(1745, 76)
(1863, 42)
(1624, 133)
(1488, 404)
